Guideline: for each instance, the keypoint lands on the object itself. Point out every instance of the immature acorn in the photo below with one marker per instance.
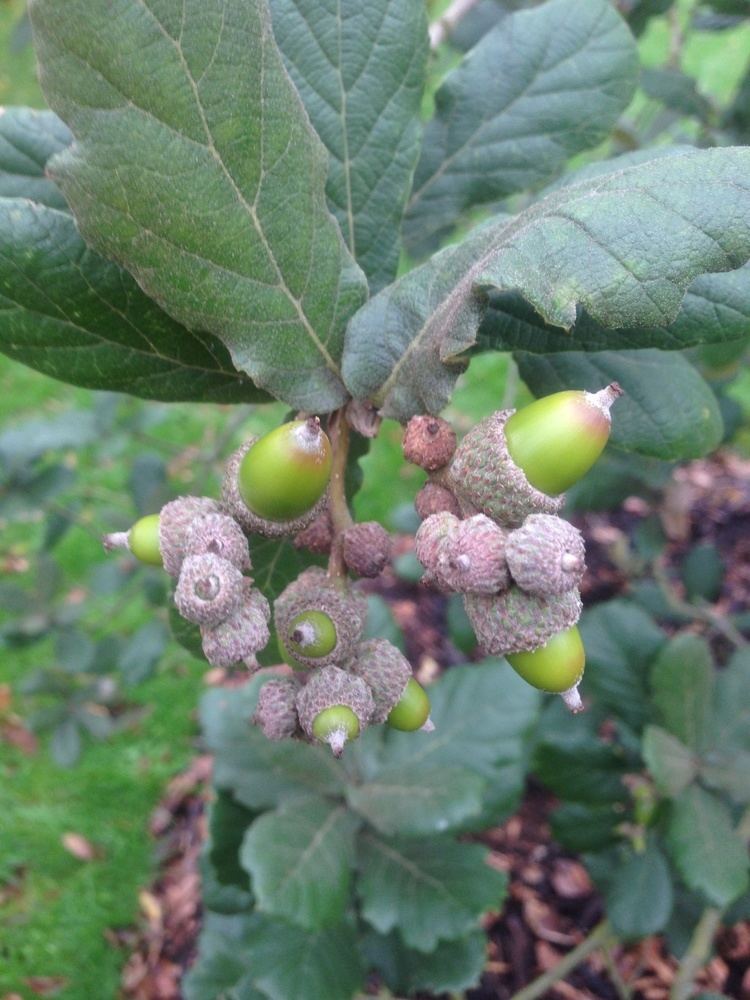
(434, 498)
(557, 666)
(471, 560)
(250, 522)
(412, 711)
(311, 635)
(209, 589)
(366, 548)
(142, 540)
(276, 711)
(515, 621)
(218, 534)
(429, 442)
(546, 555)
(384, 669)
(334, 707)
(242, 634)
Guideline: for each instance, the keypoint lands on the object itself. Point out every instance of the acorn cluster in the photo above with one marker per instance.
(491, 531)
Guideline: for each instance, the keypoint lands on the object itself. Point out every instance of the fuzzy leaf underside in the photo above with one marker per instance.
(639, 901)
(541, 86)
(219, 212)
(71, 314)
(28, 139)
(624, 246)
(359, 69)
(668, 410)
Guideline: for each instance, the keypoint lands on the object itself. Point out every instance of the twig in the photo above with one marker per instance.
(700, 612)
(566, 965)
(445, 25)
(341, 519)
(621, 987)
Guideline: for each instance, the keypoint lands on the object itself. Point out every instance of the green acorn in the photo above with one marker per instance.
(244, 633)
(276, 711)
(221, 535)
(285, 473)
(311, 634)
(209, 589)
(384, 669)
(412, 711)
(557, 666)
(142, 540)
(334, 707)
(546, 555)
(515, 621)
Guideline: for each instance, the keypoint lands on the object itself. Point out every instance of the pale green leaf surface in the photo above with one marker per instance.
(705, 848)
(728, 771)
(624, 246)
(667, 411)
(216, 207)
(27, 140)
(541, 86)
(639, 901)
(682, 681)
(402, 882)
(671, 763)
(71, 314)
(456, 965)
(359, 69)
(732, 715)
(300, 858)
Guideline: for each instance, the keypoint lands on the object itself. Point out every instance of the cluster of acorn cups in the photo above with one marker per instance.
(274, 486)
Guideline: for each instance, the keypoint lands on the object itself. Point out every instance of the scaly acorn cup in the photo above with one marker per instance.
(412, 711)
(557, 666)
(334, 707)
(313, 590)
(209, 589)
(485, 479)
(220, 535)
(471, 559)
(318, 535)
(175, 521)
(276, 711)
(514, 621)
(286, 472)
(556, 439)
(429, 442)
(366, 548)
(546, 555)
(142, 540)
(434, 498)
(432, 535)
(250, 522)
(384, 669)
(244, 633)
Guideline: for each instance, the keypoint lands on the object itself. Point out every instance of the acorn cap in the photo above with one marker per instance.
(384, 669)
(471, 559)
(221, 535)
(243, 634)
(431, 535)
(514, 621)
(175, 520)
(546, 555)
(276, 712)
(332, 686)
(249, 522)
(318, 535)
(486, 479)
(429, 442)
(434, 498)
(313, 590)
(366, 548)
(209, 589)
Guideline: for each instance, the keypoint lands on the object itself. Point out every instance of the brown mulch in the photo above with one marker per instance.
(552, 905)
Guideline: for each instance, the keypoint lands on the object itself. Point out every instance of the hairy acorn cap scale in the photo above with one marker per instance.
(486, 480)
(366, 548)
(242, 634)
(429, 442)
(556, 666)
(220, 535)
(435, 498)
(175, 520)
(318, 535)
(471, 559)
(285, 473)
(546, 555)
(249, 522)
(384, 669)
(515, 621)
(331, 687)
(209, 589)
(313, 590)
(556, 439)
(431, 535)
(276, 711)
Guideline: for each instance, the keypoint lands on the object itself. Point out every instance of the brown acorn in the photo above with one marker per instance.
(429, 442)
(366, 548)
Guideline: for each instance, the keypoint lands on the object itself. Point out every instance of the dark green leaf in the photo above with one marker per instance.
(705, 848)
(495, 133)
(732, 715)
(65, 745)
(381, 624)
(586, 827)
(676, 90)
(359, 68)
(640, 12)
(668, 410)
(737, 117)
(276, 562)
(300, 858)
(68, 313)
(225, 884)
(186, 633)
(429, 889)
(639, 900)
(582, 769)
(682, 680)
(219, 213)
(624, 247)
(27, 140)
(142, 652)
(672, 765)
(728, 771)
(616, 476)
(478, 21)
(453, 967)
(222, 960)
(261, 772)
(74, 651)
(702, 572)
(417, 800)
